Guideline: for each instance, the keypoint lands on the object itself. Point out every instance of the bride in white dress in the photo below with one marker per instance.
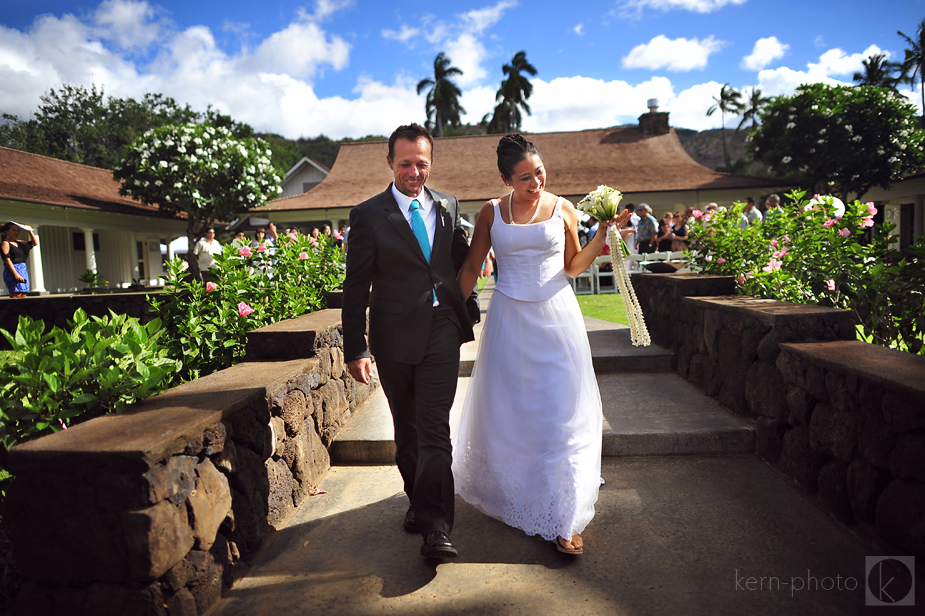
(528, 447)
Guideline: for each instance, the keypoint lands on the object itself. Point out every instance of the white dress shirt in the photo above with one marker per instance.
(426, 209)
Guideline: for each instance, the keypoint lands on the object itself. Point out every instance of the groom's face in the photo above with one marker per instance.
(411, 165)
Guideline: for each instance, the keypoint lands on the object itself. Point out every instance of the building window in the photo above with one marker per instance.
(80, 243)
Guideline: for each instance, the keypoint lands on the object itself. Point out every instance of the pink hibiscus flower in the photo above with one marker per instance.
(829, 223)
(261, 248)
(303, 256)
(211, 286)
(830, 284)
(868, 221)
(184, 266)
(244, 309)
(774, 243)
(245, 252)
(844, 232)
(697, 213)
(720, 261)
(871, 208)
(772, 265)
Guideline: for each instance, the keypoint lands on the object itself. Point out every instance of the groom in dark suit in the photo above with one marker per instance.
(408, 244)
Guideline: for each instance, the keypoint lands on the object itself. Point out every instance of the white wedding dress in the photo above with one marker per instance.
(528, 447)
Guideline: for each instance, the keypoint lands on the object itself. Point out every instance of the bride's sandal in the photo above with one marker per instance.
(566, 547)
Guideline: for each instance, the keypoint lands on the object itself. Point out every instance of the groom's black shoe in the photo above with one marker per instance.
(438, 545)
(411, 524)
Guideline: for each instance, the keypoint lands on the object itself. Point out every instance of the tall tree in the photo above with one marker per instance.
(843, 139)
(442, 103)
(512, 95)
(878, 71)
(753, 106)
(729, 101)
(200, 170)
(915, 60)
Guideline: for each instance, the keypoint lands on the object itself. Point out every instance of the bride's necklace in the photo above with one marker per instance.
(510, 209)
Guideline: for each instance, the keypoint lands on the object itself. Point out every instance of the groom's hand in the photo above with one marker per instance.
(360, 369)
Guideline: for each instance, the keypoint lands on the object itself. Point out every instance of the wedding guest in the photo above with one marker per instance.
(15, 252)
(679, 232)
(750, 215)
(665, 236)
(646, 230)
(203, 254)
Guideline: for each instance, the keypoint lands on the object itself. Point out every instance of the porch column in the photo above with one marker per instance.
(36, 273)
(133, 256)
(918, 216)
(88, 247)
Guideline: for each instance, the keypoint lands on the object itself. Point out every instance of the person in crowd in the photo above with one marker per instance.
(593, 224)
(315, 233)
(646, 230)
(15, 252)
(663, 240)
(750, 215)
(240, 240)
(679, 232)
(528, 447)
(628, 232)
(203, 253)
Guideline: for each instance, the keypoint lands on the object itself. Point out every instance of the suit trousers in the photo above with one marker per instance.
(420, 397)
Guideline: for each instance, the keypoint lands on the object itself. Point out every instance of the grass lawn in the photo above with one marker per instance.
(607, 307)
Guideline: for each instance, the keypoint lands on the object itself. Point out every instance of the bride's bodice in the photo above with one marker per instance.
(531, 258)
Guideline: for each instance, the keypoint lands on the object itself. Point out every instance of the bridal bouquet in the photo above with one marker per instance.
(602, 204)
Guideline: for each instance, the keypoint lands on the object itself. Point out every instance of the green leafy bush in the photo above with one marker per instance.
(98, 366)
(820, 251)
(253, 287)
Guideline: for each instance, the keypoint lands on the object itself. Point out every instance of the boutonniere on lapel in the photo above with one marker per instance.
(443, 203)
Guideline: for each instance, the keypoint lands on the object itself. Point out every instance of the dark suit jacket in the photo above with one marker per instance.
(382, 252)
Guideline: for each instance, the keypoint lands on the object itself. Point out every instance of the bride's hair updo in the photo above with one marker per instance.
(511, 150)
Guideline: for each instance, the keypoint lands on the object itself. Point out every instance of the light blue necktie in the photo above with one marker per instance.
(420, 231)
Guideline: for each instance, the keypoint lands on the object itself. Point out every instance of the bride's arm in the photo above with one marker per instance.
(478, 249)
(579, 259)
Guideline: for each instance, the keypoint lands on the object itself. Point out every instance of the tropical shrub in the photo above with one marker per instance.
(820, 251)
(98, 365)
(252, 287)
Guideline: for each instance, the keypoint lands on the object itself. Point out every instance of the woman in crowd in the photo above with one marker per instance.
(15, 252)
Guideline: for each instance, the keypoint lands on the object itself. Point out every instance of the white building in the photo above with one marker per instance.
(82, 223)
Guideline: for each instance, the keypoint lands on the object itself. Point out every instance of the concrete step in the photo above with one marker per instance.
(664, 415)
(644, 415)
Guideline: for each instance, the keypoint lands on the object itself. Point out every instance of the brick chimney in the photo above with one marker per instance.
(655, 122)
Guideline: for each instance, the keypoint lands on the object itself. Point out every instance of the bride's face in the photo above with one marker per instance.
(529, 178)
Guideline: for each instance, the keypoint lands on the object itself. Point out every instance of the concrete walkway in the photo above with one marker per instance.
(714, 531)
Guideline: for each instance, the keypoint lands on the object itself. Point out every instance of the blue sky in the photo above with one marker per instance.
(349, 67)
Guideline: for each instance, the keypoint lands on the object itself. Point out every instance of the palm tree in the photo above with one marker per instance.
(443, 97)
(512, 95)
(753, 108)
(878, 71)
(915, 61)
(729, 101)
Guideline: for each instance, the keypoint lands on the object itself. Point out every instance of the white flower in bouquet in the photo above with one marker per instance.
(601, 203)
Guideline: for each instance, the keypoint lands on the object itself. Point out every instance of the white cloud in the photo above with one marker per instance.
(300, 50)
(766, 50)
(636, 7)
(461, 39)
(403, 36)
(325, 8)
(837, 62)
(672, 54)
(579, 29)
(130, 24)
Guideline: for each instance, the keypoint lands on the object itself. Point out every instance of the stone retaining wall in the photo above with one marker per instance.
(845, 420)
(59, 309)
(156, 510)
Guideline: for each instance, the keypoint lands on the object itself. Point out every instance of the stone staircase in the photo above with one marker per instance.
(648, 410)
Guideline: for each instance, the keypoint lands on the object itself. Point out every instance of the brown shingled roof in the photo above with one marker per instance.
(576, 163)
(39, 179)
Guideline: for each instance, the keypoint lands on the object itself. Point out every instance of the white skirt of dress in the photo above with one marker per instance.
(528, 447)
